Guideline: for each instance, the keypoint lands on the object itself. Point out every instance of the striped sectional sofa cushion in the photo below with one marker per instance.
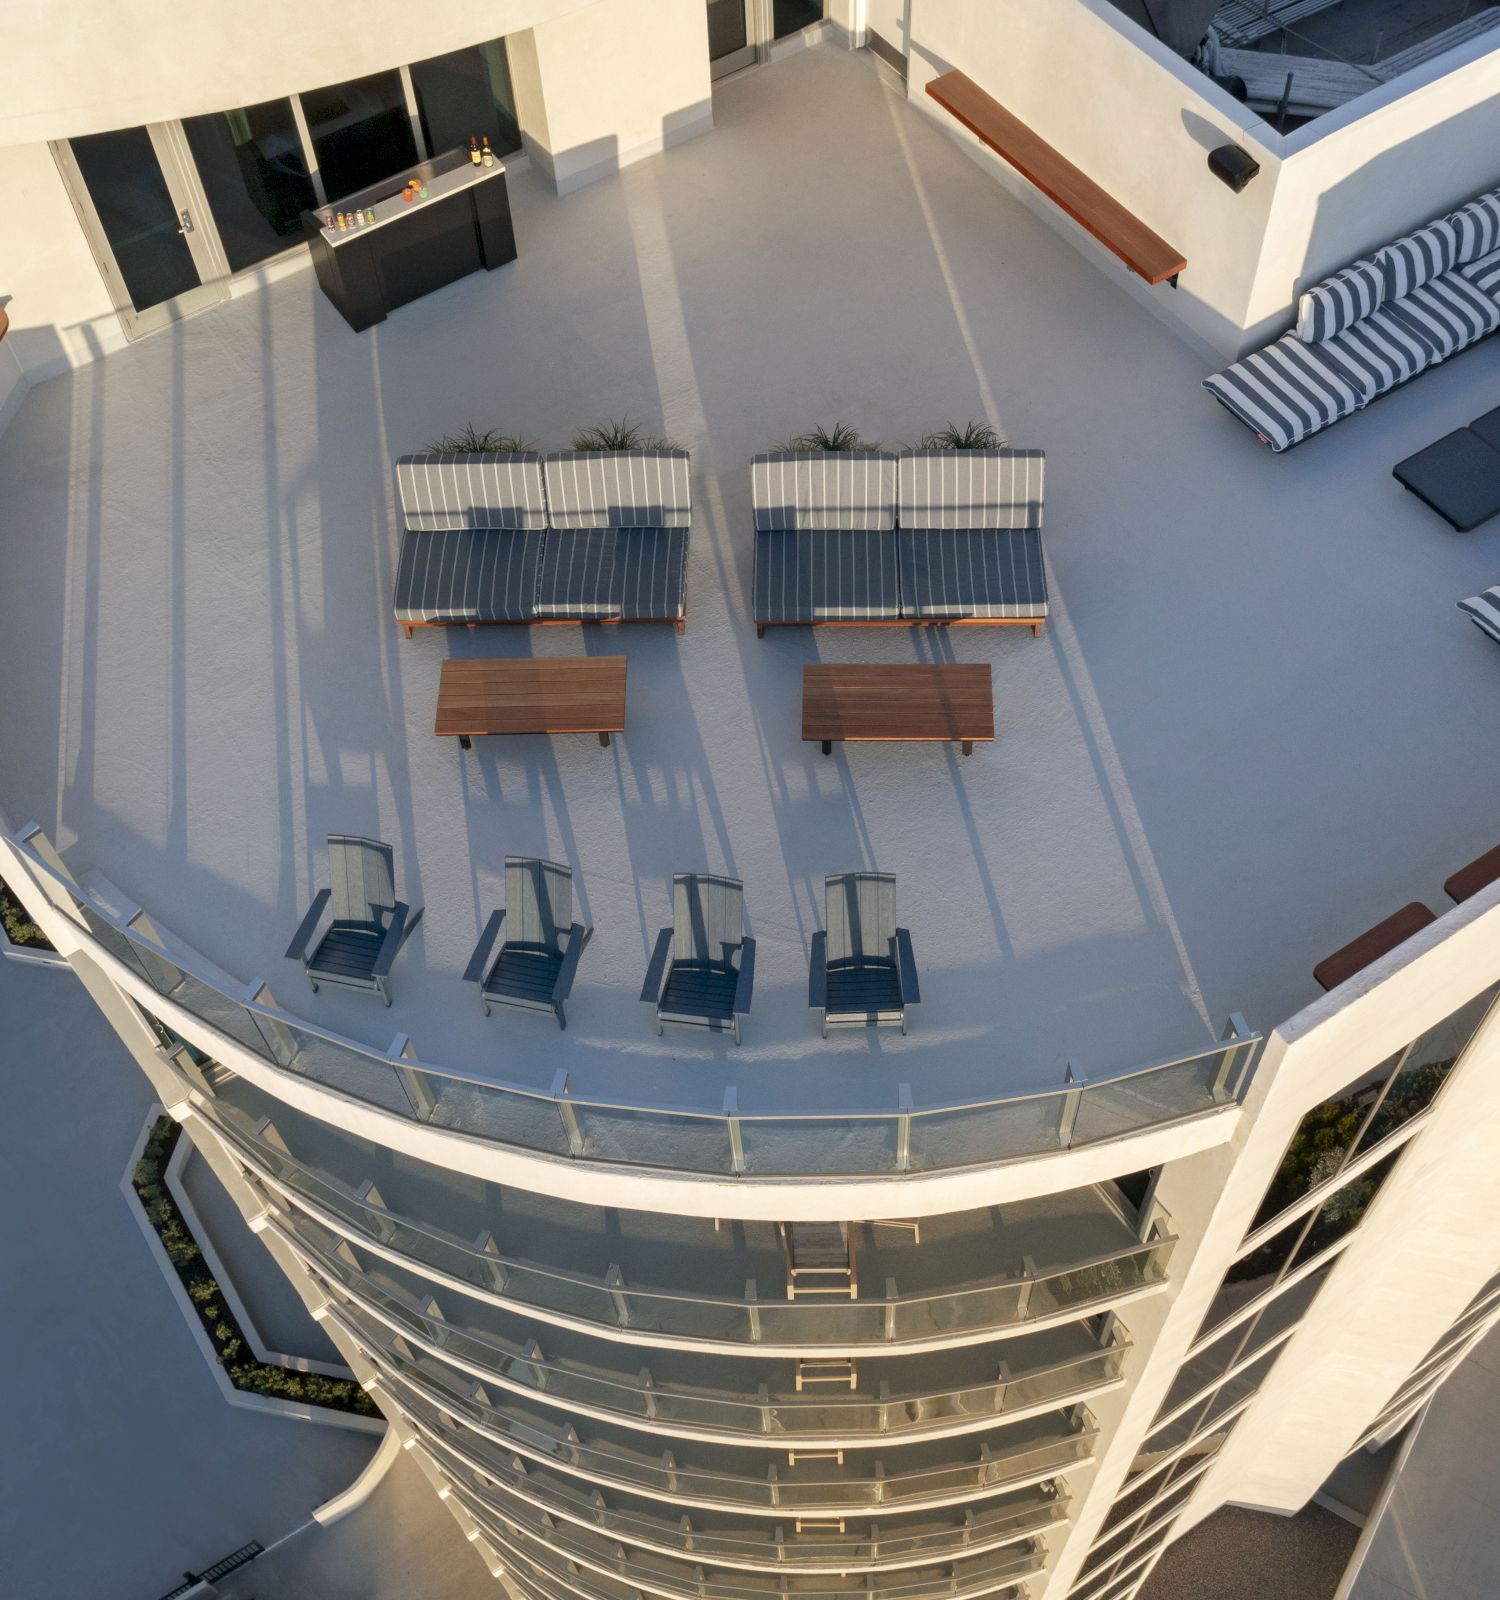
(1382, 351)
(650, 578)
(454, 575)
(471, 491)
(970, 488)
(1288, 390)
(825, 575)
(1484, 611)
(1476, 226)
(1484, 274)
(972, 572)
(618, 489)
(1449, 312)
(1333, 305)
(823, 489)
(1410, 262)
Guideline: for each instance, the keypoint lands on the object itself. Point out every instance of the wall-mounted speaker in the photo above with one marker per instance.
(1231, 165)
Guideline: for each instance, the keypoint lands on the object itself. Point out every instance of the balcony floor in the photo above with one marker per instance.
(1255, 723)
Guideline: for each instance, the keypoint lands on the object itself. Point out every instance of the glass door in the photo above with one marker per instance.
(731, 35)
(138, 199)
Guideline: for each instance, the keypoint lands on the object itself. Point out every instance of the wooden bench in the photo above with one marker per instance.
(1479, 874)
(1118, 230)
(563, 694)
(1378, 941)
(913, 701)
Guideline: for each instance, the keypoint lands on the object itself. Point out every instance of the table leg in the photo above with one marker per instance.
(604, 740)
(465, 742)
(828, 747)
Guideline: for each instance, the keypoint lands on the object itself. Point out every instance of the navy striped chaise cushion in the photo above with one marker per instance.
(825, 575)
(1450, 313)
(1484, 611)
(468, 575)
(633, 574)
(1484, 274)
(1288, 390)
(971, 572)
(471, 491)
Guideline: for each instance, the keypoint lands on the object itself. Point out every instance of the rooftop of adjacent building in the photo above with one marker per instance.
(1255, 723)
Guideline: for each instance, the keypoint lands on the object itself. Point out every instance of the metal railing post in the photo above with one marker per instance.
(566, 1112)
(616, 1281)
(732, 1122)
(903, 1128)
(1068, 1114)
(752, 1302)
(890, 1310)
(418, 1092)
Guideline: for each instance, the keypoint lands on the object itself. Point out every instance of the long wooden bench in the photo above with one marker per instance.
(1118, 230)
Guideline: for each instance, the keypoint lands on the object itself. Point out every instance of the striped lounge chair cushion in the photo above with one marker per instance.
(1381, 351)
(841, 575)
(1288, 390)
(577, 574)
(970, 488)
(1484, 274)
(971, 572)
(1333, 305)
(471, 491)
(1484, 610)
(633, 574)
(1477, 228)
(468, 575)
(823, 489)
(1410, 262)
(650, 581)
(618, 489)
(1449, 313)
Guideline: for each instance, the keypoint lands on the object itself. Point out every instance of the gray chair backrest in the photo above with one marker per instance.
(538, 901)
(618, 488)
(823, 489)
(859, 912)
(362, 878)
(471, 491)
(971, 488)
(708, 917)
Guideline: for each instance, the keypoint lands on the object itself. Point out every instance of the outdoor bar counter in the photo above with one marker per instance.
(413, 246)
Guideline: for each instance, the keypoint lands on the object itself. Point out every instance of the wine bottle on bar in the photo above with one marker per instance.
(488, 155)
(474, 155)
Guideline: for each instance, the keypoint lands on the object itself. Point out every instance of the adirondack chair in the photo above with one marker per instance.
(702, 970)
(367, 926)
(532, 965)
(862, 972)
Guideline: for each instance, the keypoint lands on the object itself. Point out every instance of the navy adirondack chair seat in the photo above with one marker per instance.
(702, 971)
(863, 972)
(367, 924)
(539, 944)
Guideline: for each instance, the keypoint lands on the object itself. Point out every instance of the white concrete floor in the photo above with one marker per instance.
(123, 1466)
(1255, 725)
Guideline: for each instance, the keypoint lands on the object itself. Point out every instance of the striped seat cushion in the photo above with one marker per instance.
(1477, 228)
(823, 489)
(970, 488)
(1288, 390)
(471, 491)
(468, 575)
(1449, 313)
(1333, 305)
(1381, 351)
(650, 582)
(1484, 611)
(618, 488)
(972, 572)
(577, 574)
(1410, 262)
(836, 576)
(1484, 274)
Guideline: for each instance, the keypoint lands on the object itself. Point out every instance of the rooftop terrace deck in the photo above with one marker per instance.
(1254, 725)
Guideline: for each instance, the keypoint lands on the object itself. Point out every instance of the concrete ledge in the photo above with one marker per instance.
(364, 1485)
(235, 1397)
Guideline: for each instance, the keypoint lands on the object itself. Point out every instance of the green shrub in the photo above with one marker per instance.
(621, 435)
(841, 436)
(19, 928)
(470, 441)
(970, 436)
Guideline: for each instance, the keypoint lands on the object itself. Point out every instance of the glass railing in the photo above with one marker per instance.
(753, 1543)
(822, 1485)
(558, 1546)
(679, 1313)
(663, 1408)
(853, 1141)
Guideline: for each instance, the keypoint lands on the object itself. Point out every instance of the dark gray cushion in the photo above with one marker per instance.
(1457, 475)
(635, 574)
(825, 576)
(468, 575)
(972, 572)
(577, 576)
(650, 580)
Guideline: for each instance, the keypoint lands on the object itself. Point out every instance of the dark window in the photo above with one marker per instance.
(1134, 1186)
(791, 16)
(467, 95)
(1344, 1210)
(1154, 1447)
(360, 132)
(251, 167)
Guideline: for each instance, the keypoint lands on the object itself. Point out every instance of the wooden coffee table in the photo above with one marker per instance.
(949, 703)
(566, 694)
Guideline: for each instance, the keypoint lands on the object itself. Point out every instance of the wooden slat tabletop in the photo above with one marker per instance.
(1378, 941)
(915, 701)
(564, 694)
(1115, 227)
